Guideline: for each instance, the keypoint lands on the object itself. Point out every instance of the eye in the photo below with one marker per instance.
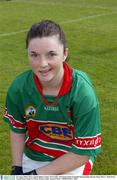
(51, 54)
(34, 55)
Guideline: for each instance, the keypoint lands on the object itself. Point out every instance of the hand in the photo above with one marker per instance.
(33, 172)
(16, 170)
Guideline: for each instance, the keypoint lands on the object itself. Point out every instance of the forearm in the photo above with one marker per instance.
(63, 164)
(17, 147)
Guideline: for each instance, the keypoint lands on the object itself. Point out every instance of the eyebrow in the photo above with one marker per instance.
(51, 51)
(33, 52)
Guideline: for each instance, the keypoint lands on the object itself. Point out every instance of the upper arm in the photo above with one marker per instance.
(86, 119)
(13, 114)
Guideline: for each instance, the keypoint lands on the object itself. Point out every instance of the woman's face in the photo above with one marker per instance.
(46, 56)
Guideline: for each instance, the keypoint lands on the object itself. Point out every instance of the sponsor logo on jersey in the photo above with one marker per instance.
(88, 142)
(57, 132)
(30, 112)
(51, 108)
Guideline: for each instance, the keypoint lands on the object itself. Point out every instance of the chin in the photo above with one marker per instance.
(45, 80)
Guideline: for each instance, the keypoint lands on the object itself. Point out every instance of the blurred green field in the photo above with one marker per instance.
(91, 31)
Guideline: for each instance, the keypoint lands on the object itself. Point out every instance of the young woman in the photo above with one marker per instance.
(52, 110)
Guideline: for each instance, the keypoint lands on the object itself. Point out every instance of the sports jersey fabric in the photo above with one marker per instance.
(69, 122)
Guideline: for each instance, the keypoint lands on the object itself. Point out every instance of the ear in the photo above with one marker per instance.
(65, 54)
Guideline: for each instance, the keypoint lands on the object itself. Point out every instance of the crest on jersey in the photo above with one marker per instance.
(30, 112)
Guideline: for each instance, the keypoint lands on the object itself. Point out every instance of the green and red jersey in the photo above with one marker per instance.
(69, 122)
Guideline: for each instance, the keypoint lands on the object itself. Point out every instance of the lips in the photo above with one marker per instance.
(45, 72)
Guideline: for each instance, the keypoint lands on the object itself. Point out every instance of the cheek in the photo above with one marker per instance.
(33, 64)
(57, 65)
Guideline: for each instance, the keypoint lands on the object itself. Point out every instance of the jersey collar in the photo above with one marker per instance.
(65, 88)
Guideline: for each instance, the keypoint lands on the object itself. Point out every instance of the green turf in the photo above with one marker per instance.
(91, 30)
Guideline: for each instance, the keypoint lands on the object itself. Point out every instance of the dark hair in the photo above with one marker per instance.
(45, 28)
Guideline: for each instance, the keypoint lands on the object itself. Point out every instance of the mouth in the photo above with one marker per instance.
(44, 72)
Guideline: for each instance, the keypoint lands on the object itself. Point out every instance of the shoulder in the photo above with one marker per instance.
(80, 77)
(24, 77)
(21, 82)
(82, 87)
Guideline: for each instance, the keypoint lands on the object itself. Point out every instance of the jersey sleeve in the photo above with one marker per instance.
(13, 114)
(86, 119)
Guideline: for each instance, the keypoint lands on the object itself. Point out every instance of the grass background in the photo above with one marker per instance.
(91, 31)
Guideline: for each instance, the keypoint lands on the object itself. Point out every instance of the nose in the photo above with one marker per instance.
(43, 62)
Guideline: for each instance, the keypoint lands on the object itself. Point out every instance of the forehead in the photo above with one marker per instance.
(45, 43)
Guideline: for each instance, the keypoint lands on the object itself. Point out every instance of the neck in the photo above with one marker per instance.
(52, 87)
